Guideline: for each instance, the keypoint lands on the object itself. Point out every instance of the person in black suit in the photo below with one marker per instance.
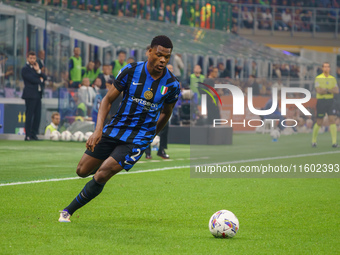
(33, 90)
(106, 76)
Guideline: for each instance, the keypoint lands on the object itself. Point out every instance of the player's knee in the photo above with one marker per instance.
(105, 173)
(81, 171)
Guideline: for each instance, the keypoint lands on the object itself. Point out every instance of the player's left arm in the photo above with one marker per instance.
(164, 116)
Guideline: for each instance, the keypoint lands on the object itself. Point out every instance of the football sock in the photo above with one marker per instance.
(332, 129)
(315, 132)
(90, 191)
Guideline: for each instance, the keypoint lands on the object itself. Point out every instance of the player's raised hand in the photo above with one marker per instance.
(93, 140)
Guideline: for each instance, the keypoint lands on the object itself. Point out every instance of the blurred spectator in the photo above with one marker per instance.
(179, 14)
(247, 18)
(298, 24)
(234, 15)
(213, 111)
(194, 79)
(41, 60)
(119, 63)
(97, 85)
(254, 85)
(195, 15)
(130, 60)
(86, 95)
(308, 22)
(338, 72)
(302, 127)
(178, 66)
(285, 69)
(105, 6)
(170, 68)
(3, 59)
(277, 71)
(222, 71)
(89, 72)
(75, 68)
(267, 19)
(106, 75)
(285, 22)
(53, 125)
(97, 70)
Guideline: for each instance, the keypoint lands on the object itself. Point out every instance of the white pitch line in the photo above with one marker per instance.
(175, 167)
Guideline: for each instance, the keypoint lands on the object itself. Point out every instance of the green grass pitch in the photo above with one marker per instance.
(167, 212)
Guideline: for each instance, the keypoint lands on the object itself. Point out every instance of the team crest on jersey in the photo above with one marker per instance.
(164, 90)
(148, 94)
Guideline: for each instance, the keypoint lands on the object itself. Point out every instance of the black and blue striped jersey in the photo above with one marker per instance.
(143, 99)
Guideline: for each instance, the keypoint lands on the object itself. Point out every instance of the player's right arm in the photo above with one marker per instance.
(103, 111)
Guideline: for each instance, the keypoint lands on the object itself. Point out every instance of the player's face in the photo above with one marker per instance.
(159, 57)
(31, 59)
(326, 68)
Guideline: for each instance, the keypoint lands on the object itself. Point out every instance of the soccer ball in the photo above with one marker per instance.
(87, 135)
(78, 136)
(66, 136)
(275, 134)
(55, 135)
(223, 224)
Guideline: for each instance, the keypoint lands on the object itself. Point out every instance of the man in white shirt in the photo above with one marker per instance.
(247, 17)
(287, 18)
(86, 95)
(53, 125)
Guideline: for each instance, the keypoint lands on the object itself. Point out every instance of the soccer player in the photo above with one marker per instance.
(326, 86)
(150, 92)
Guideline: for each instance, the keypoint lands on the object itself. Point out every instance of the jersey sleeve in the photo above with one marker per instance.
(121, 78)
(316, 82)
(173, 95)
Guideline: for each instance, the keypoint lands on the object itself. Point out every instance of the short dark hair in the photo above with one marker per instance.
(161, 40)
(31, 53)
(121, 51)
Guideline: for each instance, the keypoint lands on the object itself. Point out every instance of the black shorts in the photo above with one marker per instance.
(126, 154)
(324, 106)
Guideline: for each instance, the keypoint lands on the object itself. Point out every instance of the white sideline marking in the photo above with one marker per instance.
(175, 167)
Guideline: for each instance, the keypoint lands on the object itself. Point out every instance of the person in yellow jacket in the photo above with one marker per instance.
(75, 68)
(53, 125)
(119, 63)
(326, 86)
(195, 16)
(194, 79)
